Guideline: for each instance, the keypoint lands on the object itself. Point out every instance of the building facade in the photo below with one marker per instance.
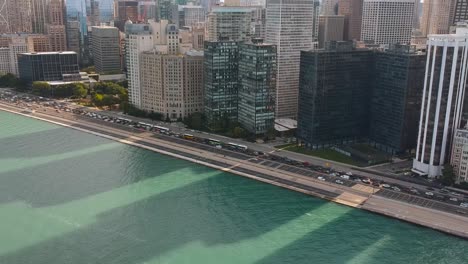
(257, 83)
(396, 99)
(442, 101)
(330, 29)
(387, 21)
(48, 66)
(172, 84)
(352, 11)
(292, 26)
(437, 16)
(459, 156)
(460, 11)
(105, 46)
(12, 45)
(231, 23)
(334, 92)
(138, 38)
(221, 66)
(15, 16)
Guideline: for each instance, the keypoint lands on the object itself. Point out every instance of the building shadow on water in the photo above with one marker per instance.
(60, 181)
(213, 211)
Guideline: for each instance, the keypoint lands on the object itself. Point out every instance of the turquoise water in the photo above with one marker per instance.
(71, 197)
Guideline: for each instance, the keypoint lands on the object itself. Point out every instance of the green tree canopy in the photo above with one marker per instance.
(42, 89)
(448, 175)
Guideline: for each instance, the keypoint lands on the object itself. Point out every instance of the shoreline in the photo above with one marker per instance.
(353, 198)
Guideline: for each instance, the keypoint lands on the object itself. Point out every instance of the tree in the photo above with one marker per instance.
(195, 121)
(98, 99)
(79, 90)
(11, 81)
(448, 175)
(42, 89)
(155, 116)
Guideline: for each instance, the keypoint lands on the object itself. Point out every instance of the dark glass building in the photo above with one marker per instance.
(396, 99)
(257, 77)
(48, 66)
(335, 85)
(221, 64)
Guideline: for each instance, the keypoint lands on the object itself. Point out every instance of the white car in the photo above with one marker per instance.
(339, 182)
(453, 199)
(464, 205)
(346, 177)
(385, 185)
(396, 189)
(321, 178)
(429, 194)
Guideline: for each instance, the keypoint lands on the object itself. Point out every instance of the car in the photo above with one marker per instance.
(429, 193)
(396, 189)
(413, 190)
(366, 181)
(386, 185)
(346, 177)
(339, 181)
(464, 205)
(453, 199)
(321, 178)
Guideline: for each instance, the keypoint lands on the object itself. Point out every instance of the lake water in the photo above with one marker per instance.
(75, 198)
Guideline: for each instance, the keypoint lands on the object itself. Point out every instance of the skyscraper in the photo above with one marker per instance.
(39, 16)
(460, 11)
(442, 101)
(229, 22)
(221, 66)
(330, 29)
(291, 26)
(329, 7)
(257, 83)
(437, 16)
(15, 16)
(138, 39)
(74, 37)
(56, 26)
(387, 21)
(105, 46)
(334, 92)
(352, 11)
(396, 98)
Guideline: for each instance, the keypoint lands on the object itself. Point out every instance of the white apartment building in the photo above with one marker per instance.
(138, 38)
(459, 157)
(291, 25)
(172, 84)
(387, 21)
(442, 101)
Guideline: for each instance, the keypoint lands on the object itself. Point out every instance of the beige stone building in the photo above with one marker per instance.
(437, 16)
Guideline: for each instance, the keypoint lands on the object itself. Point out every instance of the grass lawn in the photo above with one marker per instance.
(328, 154)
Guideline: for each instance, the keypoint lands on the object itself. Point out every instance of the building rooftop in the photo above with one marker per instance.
(49, 53)
(231, 9)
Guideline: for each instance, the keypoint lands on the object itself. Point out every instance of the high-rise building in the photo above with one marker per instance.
(105, 47)
(56, 27)
(190, 15)
(352, 11)
(39, 14)
(94, 13)
(437, 16)
(396, 98)
(387, 21)
(257, 84)
(125, 10)
(11, 45)
(229, 22)
(291, 26)
(138, 38)
(172, 84)
(147, 10)
(329, 7)
(460, 11)
(330, 29)
(221, 65)
(334, 91)
(106, 10)
(48, 66)
(459, 156)
(442, 101)
(15, 16)
(40, 43)
(74, 37)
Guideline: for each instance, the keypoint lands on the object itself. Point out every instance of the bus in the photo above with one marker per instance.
(188, 136)
(213, 142)
(161, 129)
(237, 146)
